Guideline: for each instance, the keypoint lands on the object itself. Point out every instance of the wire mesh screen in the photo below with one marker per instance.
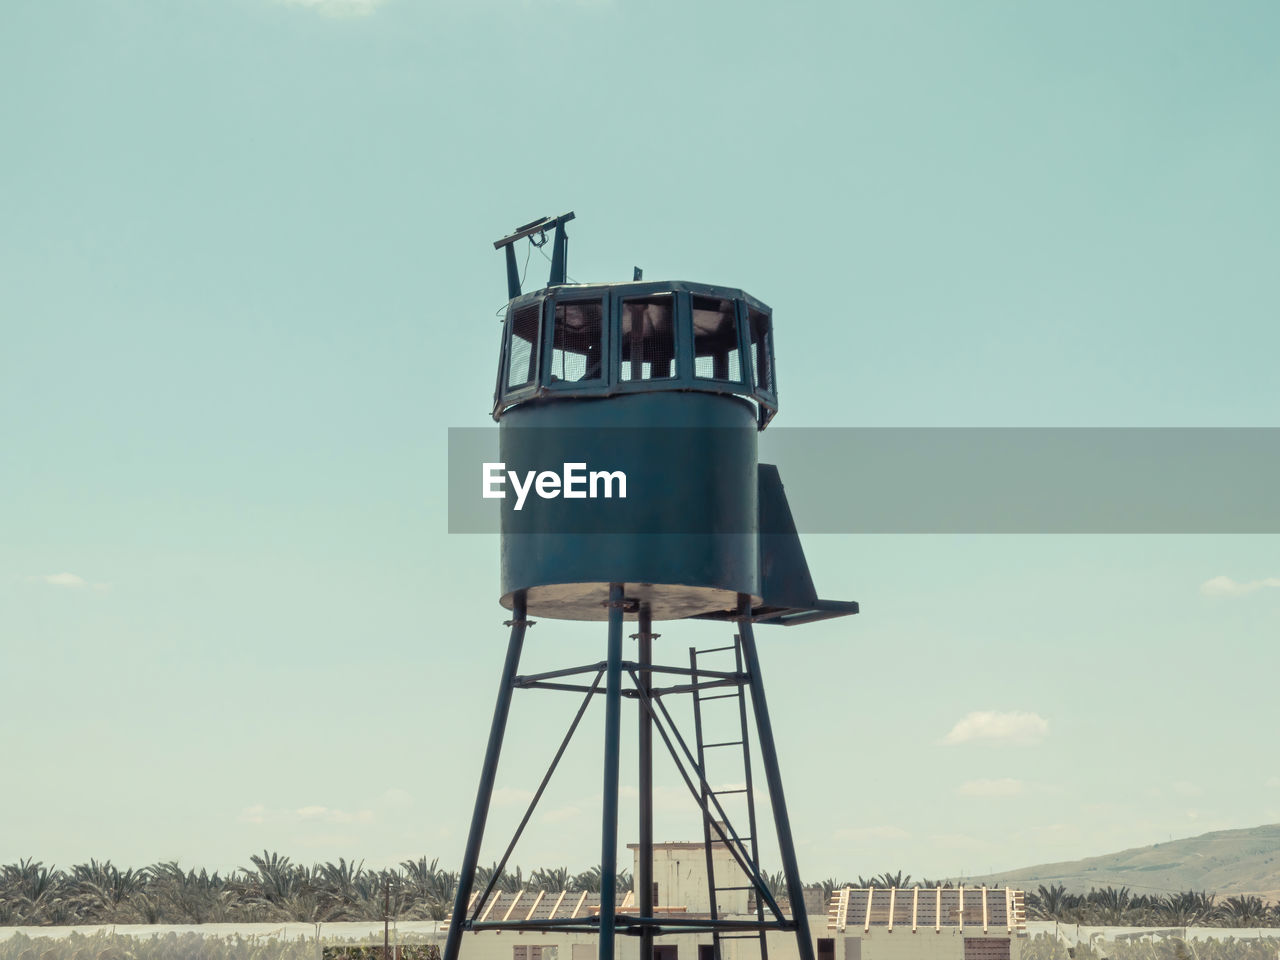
(716, 355)
(903, 903)
(648, 339)
(760, 349)
(973, 901)
(577, 341)
(522, 347)
(927, 907)
(976, 948)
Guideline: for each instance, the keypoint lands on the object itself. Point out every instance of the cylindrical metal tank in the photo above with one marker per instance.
(684, 540)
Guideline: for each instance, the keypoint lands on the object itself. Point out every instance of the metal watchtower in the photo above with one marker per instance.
(669, 384)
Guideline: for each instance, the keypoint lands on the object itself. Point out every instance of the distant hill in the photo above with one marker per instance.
(1226, 862)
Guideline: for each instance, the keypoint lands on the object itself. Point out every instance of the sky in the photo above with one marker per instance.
(247, 284)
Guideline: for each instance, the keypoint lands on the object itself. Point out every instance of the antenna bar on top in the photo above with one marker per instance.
(537, 226)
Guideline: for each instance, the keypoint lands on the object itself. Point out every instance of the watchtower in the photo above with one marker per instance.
(665, 386)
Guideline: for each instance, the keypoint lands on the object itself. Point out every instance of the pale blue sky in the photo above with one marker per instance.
(246, 284)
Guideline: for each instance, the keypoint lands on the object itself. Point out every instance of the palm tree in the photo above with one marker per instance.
(339, 888)
(588, 881)
(552, 881)
(1189, 909)
(1245, 911)
(1111, 903)
(828, 887)
(775, 883)
(32, 893)
(888, 879)
(433, 889)
(187, 896)
(1048, 903)
(103, 892)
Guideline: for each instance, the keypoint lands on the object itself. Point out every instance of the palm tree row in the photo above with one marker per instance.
(1111, 907)
(273, 889)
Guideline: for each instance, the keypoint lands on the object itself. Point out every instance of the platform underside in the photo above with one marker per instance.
(587, 601)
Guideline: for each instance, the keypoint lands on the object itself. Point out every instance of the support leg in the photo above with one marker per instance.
(769, 757)
(488, 774)
(612, 746)
(644, 868)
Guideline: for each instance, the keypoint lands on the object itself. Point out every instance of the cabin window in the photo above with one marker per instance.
(761, 350)
(522, 346)
(577, 342)
(716, 353)
(648, 348)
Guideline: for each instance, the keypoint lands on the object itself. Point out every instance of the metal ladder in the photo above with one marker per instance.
(738, 693)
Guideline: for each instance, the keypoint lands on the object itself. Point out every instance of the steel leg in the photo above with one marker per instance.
(769, 757)
(612, 746)
(644, 868)
(470, 859)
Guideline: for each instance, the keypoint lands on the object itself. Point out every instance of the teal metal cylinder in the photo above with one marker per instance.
(684, 540)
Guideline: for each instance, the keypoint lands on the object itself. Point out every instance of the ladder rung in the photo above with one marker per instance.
(722, 793)
(699, 653)
(741, 936)
(722, 696)
(726, 743)
(747, 887)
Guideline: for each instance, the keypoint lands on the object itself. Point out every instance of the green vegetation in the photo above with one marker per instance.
(105, 946)
(275, 890)
(272, 890)
(1117, 907)
(1046, 947)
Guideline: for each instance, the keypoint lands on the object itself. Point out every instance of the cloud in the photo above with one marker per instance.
(71, 581)
(338, 8)
(1226, 587)
(254, 814)
(562, 815)
(1014, 727)
(1273, 781)
(330, 815)
(511, 797)
(314, 813)
(884, 832)
(1003, 787)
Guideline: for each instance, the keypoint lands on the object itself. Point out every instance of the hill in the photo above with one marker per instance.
(1226, 862)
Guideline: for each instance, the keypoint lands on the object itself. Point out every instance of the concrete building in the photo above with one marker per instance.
(912, 923)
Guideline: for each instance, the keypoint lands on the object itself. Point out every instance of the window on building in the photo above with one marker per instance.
(577, 342)
(716, 353)
(648, 333)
